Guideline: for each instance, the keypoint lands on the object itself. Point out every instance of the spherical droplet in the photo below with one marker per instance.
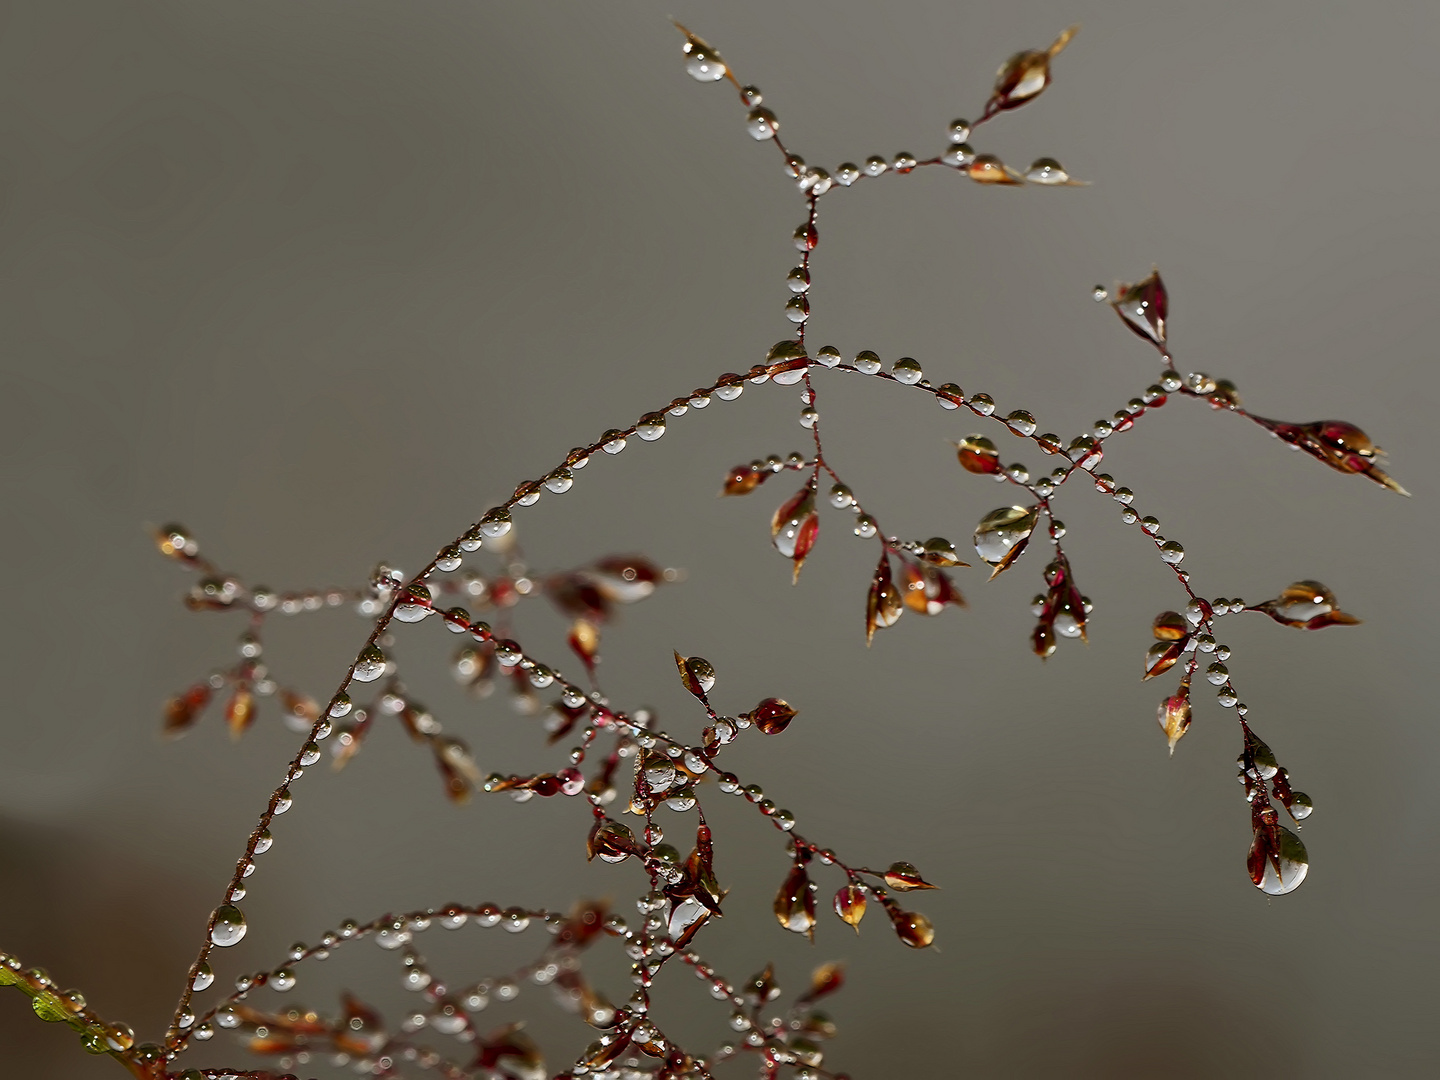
(370, 664)
(907, 370)
(229, 926)
(761, 124)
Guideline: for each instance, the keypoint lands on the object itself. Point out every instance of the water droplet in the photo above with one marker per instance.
(701, 61)
(265, 841)
(867, 362)
(282, 979)
(1003, 529)
(450, 558)
(907, 370)
(496, 522)
(816, 182)
(875, 165)
(1100, 293)
(730, 391)
(1172, 552)
(904, 162)
(866, 527)
(651, 426)
(1021, 422)
(370, 664)
(1144, 308)
(983, 404)
(959, 155)
(959, 131)
(805, 237)
(847, 173)
(797, 309)
(612, 441)
(1048, 171)
(761, 124)
(203, 978)
(1278, 861)
(229, 926)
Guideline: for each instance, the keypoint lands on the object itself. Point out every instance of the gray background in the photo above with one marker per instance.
(324, 280)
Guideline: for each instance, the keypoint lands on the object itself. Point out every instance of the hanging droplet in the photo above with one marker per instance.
(650, 426)
(370, 664)
(884, 604)
(414, 603)
(1161, 656)
(612, 441)
(983, 404)
(903, 877)
(202, 978)
(761, 124)
(282, 979)
(1021, 422)
(560, 481)
(958, 155)
(795, 902)
(875, 165)
(1003, 532)
(1144, 306)
(1048, 171)
(989, 169)
(846, 173)
(828, 355)
(696, 673)
(1022, 77)
(795, 527)
(1277, 861)
(907, 370)
(701, 61)
(1171, 626)
(959, 131)
(1308, 605)
(978, 454)
(229, 926)
(867, 362)
(850, 904)
(913, 928)
(771, 716)
(1171, 551)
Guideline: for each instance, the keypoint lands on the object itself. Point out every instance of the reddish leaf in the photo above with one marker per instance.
(795, 527)
(1308, 605)
(1340, 445)
(1023, 77)
(978, 455)
(182, 710)
(772, 716)
(884, 605)
(1161, 656)
(1174, 714)
(903, 877)
(1144, 307)
(795, 902)
(240, 711)
(850, 904)
(696, 674)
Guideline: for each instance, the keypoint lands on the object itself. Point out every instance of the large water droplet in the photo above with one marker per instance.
(229, 926)
(1000, 530)
(1278, 861)
(370, 664)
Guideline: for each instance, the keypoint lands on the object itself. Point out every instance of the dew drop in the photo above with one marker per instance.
(875, 165)
(847, 173)
(730, 391)
(1100, 293)
(561, 480)
(282, 979)
(612, 441)
(264, 841)
(958, 155)
(203, 978)
(651, 426)
(867, 362)
(1172, 552)
(702, 62)
(370, 665)
(907, 370)
(959, 131)
(1021, 422)
(983, 404)
(1047, 171)
(229, 926)
(761, 124)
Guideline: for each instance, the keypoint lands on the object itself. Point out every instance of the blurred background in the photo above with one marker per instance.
(325, 280)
